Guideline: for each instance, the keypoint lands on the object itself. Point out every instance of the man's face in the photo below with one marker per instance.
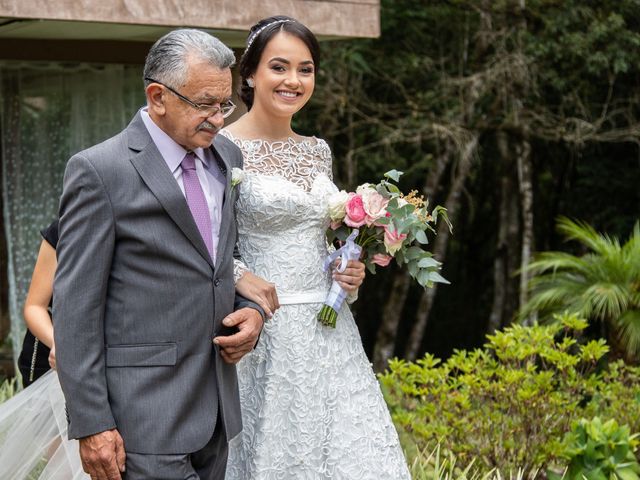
(187, 126)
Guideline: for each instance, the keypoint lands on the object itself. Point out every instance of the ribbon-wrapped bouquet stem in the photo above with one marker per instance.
(378, 223)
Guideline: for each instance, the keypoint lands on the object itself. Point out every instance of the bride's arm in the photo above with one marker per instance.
(255, 288)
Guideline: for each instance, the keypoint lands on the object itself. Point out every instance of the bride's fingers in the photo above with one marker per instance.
(352, 279)
(347, 287)
(231, 358)
(241, 347)
(275, 303)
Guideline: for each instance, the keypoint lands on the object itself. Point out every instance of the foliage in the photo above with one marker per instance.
(436, 465)
(602, 285)
(564, 74)
(509, 404)
(600, 451)
(8, 389)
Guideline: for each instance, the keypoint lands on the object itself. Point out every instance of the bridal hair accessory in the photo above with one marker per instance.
(380, 223)
(259, 31)
(250, 82)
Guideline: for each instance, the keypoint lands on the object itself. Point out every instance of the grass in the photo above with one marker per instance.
(437, 465)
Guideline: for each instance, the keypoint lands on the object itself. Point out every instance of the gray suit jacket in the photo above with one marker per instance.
(137, 300)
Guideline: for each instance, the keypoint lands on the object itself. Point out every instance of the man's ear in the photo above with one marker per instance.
(155, 99)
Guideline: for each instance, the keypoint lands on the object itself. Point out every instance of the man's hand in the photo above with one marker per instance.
(352, 277)
(103, 456)
(258, 290)
(249, 323)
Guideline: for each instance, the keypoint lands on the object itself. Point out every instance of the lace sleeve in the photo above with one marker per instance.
(239, 268)
(326, 157)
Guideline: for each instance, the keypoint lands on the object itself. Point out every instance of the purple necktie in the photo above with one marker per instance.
(196, 200)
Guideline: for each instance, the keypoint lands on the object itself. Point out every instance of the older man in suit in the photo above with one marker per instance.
(145, 278)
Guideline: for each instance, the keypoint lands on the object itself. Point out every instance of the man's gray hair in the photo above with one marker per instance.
(167, 60)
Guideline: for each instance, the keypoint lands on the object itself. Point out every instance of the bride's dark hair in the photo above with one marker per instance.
(259, 36)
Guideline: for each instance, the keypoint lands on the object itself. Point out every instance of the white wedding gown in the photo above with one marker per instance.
(33, 435)
(311, 404)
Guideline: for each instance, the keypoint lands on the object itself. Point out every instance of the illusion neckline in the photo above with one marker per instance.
(310, 141)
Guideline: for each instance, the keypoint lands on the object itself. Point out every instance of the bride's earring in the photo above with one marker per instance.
(251, 83)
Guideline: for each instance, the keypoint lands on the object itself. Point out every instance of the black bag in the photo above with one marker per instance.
(33, 361)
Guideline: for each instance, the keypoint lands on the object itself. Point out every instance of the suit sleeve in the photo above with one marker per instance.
(240, 301)
(85, 250)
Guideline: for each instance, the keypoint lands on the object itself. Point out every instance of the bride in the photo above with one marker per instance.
(311, 404)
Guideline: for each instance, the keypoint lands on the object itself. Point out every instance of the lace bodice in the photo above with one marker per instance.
(282, 209)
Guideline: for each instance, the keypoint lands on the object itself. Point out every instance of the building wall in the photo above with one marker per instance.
(339, 18)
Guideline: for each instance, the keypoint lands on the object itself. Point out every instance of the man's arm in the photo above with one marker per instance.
(84, 253)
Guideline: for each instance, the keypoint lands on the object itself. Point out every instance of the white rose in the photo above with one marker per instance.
(337, 202)
(364, 189)
(237, 176)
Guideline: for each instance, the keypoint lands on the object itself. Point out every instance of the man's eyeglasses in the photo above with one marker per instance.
(208, 110)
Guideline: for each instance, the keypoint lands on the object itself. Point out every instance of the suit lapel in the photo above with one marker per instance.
(156, 175)
(227, 205)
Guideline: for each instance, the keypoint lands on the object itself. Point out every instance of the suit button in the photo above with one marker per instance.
(216, 282)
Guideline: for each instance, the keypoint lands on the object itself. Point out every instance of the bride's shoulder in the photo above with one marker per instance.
(319, 144)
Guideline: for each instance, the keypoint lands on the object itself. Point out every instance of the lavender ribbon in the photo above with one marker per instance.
(349, 251)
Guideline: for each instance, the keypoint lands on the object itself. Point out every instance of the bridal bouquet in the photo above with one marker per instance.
(378, 223)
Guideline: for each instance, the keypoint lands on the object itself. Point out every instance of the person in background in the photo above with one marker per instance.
(38, 351)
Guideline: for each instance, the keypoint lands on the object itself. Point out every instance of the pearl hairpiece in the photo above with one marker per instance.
(259, 31)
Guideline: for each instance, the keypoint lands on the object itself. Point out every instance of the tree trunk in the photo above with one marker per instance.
(500, 269)
(525, 184)
(440, 247)
(391, 315)
(351, 159)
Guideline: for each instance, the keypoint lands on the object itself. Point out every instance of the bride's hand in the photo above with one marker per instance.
(352, 277)
(258, 290)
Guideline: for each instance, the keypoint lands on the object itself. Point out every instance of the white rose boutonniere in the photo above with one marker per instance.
(237, 176)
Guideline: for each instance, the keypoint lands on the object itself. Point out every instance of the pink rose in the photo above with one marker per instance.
(356, 216)
(393, 240)
(381, 259)
(374, 205)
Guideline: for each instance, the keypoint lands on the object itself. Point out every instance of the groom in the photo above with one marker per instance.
(145, 278)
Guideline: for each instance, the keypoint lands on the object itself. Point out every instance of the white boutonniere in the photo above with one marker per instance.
(237, 176)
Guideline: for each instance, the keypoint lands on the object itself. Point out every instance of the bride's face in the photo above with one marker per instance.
(285, 77)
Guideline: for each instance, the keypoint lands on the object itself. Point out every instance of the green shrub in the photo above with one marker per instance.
(8, 389)
(599, 451)
(508, 406)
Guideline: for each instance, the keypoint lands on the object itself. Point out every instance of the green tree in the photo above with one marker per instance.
(498, 110)
(601, 285)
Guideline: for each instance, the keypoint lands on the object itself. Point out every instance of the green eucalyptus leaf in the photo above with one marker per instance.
(413, 253)
(394, 175)
(437, 278)
(421, 237)
(427, 262)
